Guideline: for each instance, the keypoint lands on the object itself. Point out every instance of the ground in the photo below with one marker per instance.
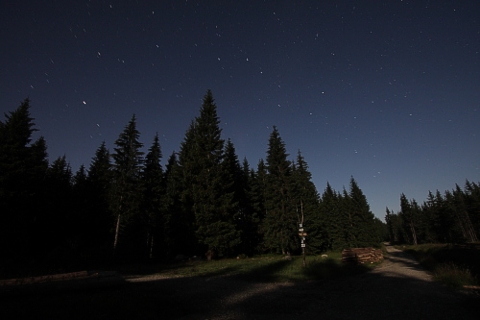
(397, 289)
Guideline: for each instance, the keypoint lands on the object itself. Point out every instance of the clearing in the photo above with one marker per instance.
(397, 289)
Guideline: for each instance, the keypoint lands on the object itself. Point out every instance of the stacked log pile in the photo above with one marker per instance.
(361, 255)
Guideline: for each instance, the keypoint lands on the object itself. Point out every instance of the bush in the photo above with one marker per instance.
(453, 275)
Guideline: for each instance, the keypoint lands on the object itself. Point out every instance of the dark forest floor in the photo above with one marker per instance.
(397, 289)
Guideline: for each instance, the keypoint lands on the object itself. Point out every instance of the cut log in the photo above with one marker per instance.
(361, 255)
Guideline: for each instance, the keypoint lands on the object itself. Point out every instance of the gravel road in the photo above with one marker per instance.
(397, 289)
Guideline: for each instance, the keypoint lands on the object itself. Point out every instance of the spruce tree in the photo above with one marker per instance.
(472, 203)
(408, 217)
(362, 219)
(456, 231)
(80, 177)
(179, 223)
(79, 223)
(234, 185)
(201, 158)
(281, 220)
(58, 197)
(443, 221)
(463, 217)
(22, 171)
(259, 179)
(152, 199)
(332, 217)
(98, 214)
(100, 170)
(390, 226)
(250, 232)
(346, 207)
(305, 199)
(430, 219)
(126, 192)
(258, 196)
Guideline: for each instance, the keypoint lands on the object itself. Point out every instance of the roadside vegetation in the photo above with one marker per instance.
(263, 268)
(453, 264)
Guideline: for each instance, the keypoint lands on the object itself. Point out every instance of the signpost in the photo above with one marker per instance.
(301, 233)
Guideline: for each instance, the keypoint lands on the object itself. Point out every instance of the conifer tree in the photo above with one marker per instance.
(390, 226)
(442, 218)
(462, 215)
(443, 221)
(234, 185)
(472, 201)
(348, 218)
(100, 168)
(58, 197)
(305, 199)
(332, 217)
(98, 214)
(281, 220)
(408, 217)
(22, 170)
(258, 195)
(78, 223)
(430, 215)
(80, 177)
(153, 197)
(127, 188)
(260, 189)
(250, 232)
(362, 219)
(455, 229)
(179, 222)
(201, 159)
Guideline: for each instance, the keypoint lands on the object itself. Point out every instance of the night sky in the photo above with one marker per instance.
(385, 91)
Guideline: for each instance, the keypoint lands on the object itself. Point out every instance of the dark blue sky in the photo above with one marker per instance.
(385, 91)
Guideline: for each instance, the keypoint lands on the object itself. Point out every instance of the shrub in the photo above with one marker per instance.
(453, 275)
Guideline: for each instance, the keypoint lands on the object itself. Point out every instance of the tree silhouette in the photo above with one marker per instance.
(126, 193)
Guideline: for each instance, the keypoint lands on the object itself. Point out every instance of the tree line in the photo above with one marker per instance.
(127, 206)
(451, 217)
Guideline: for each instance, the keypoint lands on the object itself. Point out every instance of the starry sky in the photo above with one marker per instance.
(385, 91)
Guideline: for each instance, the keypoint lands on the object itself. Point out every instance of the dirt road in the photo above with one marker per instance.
(398, 289)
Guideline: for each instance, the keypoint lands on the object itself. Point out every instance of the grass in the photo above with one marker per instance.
(264, 268)
(453, 275)
(454, 265)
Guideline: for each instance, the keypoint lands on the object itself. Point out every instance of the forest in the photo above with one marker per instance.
(128, 206)
(453, 217)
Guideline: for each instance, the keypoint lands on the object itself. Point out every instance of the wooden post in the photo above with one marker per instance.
(117, 227)
(117, 231)
(302, 236)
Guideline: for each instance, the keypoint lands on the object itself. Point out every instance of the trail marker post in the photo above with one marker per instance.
(302, 234)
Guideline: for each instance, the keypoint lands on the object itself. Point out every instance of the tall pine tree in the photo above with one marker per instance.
(408, 215)
(179, 222)
(153, 199)
(98, 214)
(201, 158)
(305, 199)
(23, 165)
(58, 198)
(126, 193)
(281, 220)
(333, 217)
(364, 229)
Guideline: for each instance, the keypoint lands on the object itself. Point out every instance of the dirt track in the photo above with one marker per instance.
(398, 289)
